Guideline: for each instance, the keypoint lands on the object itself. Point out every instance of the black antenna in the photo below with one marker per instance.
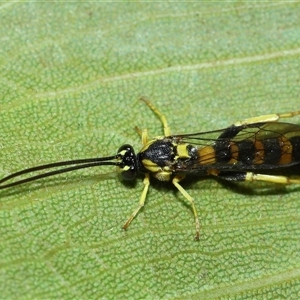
(79, 164)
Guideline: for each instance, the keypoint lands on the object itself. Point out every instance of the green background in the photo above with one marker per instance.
(71, 78)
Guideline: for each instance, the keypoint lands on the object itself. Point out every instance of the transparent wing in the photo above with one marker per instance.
(238, 133)
(236, 147)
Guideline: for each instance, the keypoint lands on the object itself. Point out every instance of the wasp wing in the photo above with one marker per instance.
(248, 147)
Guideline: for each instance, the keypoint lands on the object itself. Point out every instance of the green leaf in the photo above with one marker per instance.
(71, 77)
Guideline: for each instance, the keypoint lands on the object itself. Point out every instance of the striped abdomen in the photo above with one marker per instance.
(264, 147)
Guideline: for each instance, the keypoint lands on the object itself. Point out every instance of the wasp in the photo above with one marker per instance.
(245, 151)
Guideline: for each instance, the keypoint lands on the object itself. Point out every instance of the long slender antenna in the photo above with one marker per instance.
(79, 164)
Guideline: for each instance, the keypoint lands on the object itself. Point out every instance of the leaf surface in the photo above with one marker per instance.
(71, 77)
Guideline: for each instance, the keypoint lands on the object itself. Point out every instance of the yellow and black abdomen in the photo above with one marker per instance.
(267, 146)
(259, 146)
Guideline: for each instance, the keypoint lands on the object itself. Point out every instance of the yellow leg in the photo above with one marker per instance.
(162, 117)
(267, 118)
(138, 130)
(144, 137)
(270, 178)
(175, 181)
(143, 134)
(142, 201)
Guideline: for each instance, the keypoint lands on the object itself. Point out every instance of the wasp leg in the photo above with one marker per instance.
(141, 203)
(144, 134)
(267, 118)
(175, 181)
(162, 117)
(138, 130)
(144, 137)
(250, 176)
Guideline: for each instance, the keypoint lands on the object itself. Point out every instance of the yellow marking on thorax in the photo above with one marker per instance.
(207, 155)
(151, 166)
(182, 151)
(163, 175)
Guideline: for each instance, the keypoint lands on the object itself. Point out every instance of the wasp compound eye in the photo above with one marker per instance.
(127, 166)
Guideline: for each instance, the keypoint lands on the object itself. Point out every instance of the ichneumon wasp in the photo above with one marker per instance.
(245, 151)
